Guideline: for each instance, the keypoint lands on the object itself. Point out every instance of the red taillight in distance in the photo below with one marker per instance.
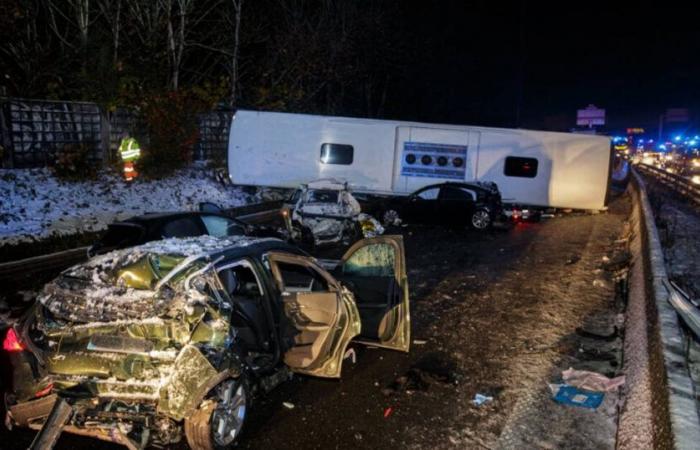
(12, 343)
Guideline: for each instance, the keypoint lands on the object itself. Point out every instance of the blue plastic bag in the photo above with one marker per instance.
(570, 395)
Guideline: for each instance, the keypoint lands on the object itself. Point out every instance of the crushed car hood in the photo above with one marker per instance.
(116, 287)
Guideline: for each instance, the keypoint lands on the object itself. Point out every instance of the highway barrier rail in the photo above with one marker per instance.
(660, 407)
(678, 183)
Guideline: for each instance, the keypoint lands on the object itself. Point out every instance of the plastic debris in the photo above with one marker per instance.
(388, 411)
(288, 405)
(480, 399)
(591, 381)
(419, 342)
(571, 395)
(350, 353)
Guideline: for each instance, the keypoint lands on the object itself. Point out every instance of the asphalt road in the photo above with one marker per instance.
(494, 313)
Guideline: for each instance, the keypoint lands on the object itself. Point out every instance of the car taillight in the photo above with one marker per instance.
(12, 343)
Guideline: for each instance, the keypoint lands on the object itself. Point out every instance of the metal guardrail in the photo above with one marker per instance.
(678, 183)
(45, 263)
(253, 214)
(663, 315)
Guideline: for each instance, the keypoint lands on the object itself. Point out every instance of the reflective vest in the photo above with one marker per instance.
(129, 149)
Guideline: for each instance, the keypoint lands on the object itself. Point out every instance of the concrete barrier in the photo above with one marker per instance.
(660, 408)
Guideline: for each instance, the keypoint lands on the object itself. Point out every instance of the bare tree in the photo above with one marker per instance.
(68, 17)
(111, 10)
(236, 25)
(176, 15)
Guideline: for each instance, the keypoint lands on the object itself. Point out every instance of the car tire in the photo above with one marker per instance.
(219, 421)
(390, 218)
(481, 219)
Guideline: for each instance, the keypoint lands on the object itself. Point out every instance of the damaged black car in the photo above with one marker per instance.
(477, 205)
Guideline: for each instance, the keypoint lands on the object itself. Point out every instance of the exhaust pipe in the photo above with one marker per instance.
(58, 418)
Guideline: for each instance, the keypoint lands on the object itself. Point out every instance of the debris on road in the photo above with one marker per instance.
(288, 405)
(571, 395)
(388, 411)
(350, 353)
(573, 259)
(480, 399)
(430, 369)
(419, 342)
(591, 381)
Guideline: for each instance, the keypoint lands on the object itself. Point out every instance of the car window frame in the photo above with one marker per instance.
(242, 225)
(245, 262)
(195, 218)
(471, 192)
(425, 189)
(271, 257)
(142, 231)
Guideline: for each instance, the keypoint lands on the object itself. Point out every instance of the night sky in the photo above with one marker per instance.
(475, 59)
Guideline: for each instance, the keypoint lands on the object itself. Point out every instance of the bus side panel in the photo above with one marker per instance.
(495, 147)
(581, 174)
(572, 170)
(270, 149)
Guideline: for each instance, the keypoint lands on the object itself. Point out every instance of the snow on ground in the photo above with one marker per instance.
(34, 204)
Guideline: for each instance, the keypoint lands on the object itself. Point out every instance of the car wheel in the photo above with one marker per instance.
(390, 217)
(219, 420)
(481, 219)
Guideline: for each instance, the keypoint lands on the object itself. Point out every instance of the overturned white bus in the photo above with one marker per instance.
(386, 157)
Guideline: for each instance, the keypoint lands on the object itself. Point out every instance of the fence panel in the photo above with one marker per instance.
(213, 136)
(39, 129)
(33, 131)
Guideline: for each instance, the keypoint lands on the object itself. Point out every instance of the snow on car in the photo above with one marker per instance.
(143, 345)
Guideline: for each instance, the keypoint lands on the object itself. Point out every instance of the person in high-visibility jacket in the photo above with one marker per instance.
(130, 151)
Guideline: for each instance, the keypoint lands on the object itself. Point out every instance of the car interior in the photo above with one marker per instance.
(248, 317)
(311, 307)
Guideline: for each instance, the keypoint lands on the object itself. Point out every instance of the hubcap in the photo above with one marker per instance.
(227, 418)
(391, 217)
(481, 220)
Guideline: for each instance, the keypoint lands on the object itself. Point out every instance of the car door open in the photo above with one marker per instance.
(375, 271)
(325, 320)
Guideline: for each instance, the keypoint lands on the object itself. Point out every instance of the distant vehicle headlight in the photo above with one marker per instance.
(695, 179)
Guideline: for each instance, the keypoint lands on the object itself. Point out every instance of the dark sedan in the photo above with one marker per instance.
(155, 226)
(459, 204)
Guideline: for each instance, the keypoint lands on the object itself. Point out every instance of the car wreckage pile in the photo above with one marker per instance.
(325, 212)
(142, 345)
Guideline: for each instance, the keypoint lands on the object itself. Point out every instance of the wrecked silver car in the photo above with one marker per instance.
(172, 339)
(325, 212)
